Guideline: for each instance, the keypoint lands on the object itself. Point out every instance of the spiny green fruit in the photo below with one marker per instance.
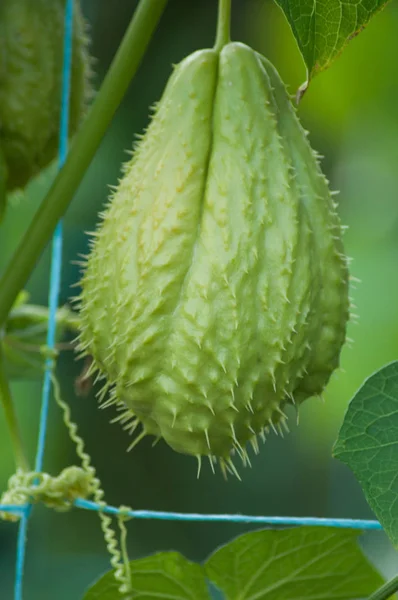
(216, 290)
(31, 59)
(24, 337)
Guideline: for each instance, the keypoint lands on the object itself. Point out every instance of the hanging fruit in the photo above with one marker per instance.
(216, 289)
(31, 59)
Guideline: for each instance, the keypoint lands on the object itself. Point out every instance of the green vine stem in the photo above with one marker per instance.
(85, 144)
(223, 36)
(386, 590)
(11, 420)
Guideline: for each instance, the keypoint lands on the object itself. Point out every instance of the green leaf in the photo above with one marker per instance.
(166, 575)
(322, 28)
(368, 444)
(299, 564)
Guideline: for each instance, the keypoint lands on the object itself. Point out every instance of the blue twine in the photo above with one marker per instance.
(56, 255)
(237, 518)
(21, 546)
(365, 524)
(18, 511)
(55, 281)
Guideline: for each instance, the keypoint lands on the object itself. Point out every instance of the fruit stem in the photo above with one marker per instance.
(386, 590)
(223, 36)
(11, 419)
(123, 68)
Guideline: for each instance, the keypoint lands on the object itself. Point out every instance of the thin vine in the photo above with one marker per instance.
(11, 420)
(118, 557)
(386, 591)
(223, 36)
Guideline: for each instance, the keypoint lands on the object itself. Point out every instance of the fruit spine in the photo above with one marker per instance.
(216, 287)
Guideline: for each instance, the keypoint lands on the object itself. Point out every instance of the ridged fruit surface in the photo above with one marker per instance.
(216, 289)
(31, 70)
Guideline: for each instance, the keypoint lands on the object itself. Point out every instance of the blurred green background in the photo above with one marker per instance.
(351, 113)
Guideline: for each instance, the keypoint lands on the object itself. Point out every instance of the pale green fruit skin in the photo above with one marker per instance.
(315, 196)
(202, 300)
(31, 59)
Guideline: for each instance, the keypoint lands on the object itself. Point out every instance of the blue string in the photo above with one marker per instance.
(365, 524)
(56, 257)
(237, 518)
(21, 546)
(55, 281)
(18, 511)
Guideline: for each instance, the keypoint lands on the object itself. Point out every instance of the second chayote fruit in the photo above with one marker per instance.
(31, 72)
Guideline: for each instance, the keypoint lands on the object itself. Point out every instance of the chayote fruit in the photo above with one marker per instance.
(216, 290)
(31, 65)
